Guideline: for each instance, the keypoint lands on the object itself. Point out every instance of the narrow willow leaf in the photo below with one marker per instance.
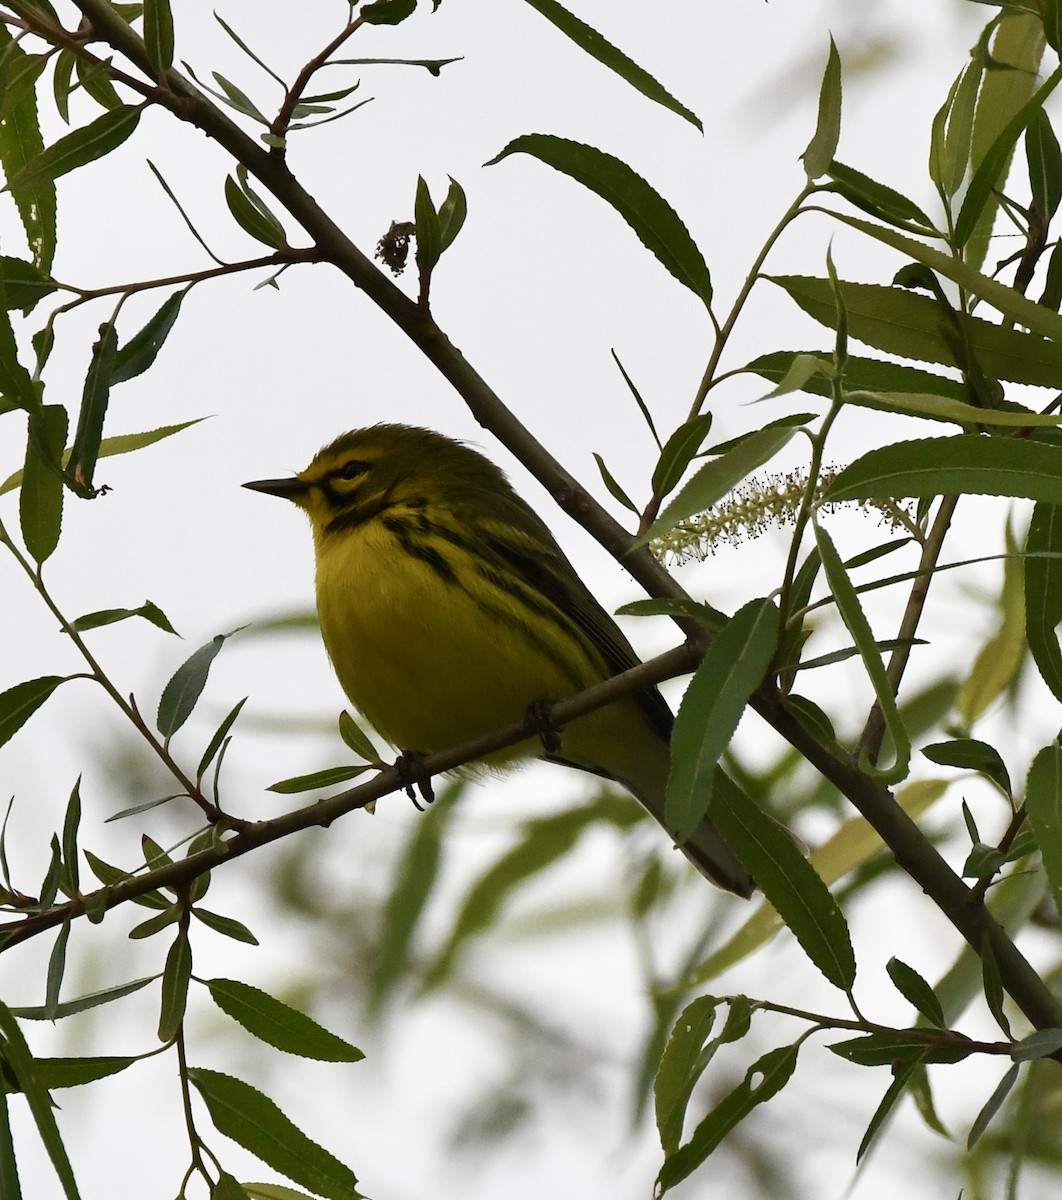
(94, 399)
(71, 823)
(109, 875)
(452, 214)
(328, 777)
(56, 969)
(643, 407)
(1042, 1043)
(141, 350)
(719, 476)
(80, 1004)
(24, 284)
(278, 1024)
(428, 228)
(678, 452)
(123, 443)
(878, 199)
(226, 926)
(860, 374)
(22, 1065)
(851, 612)
(1043, 593)
(387, 12)
(158, 34)
(250, 217)
(992, 1106)
(16, 387)
(357, 739)
(77, 149)
(950, 466)
(992, 981)
(20, 702)
(903, 1070)
(1009, 302)
(175, 978)
(901, 322)
(1044, 159)
(916, 990)
(238, 99)
(614, 488)
(182, 692)
(110, 616)
(592, 43)
(883, 1049)
(20, 144)
(657, 225)
(988, 175)
(764, 1080)
(823, 145)
(973, 755)
(678, 1073)
(788, 881)
(219, 736)
(1043, 803)
(731, 670)
(254, 1122)
(958, 138)
(40, 501)
(72, 1072)
(9, 1181)
(169, 916)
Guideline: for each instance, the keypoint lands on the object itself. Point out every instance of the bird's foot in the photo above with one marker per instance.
(540, 714)
(410, 767)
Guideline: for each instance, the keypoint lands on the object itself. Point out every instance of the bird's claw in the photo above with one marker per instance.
(540, 715)
(413, 778)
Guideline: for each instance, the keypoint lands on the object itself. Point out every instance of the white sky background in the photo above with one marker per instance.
(541, 283)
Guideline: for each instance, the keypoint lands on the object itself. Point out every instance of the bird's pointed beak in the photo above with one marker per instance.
(287, 489)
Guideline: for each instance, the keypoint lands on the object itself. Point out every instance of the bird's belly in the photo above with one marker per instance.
(423, 658)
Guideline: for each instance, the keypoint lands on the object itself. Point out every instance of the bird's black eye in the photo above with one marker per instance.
(352, 469)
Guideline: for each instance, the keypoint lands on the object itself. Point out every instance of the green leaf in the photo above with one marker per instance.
(428, 228)
(764, 1080)
(452, 214)
(20, 702)
(989, 172)
(917, 991)
(40, 502)
(77, 149)
(254, 1122)
(903, 1071)
(860, 374)
(592, 43)
(328, 777)
(143, 347)
(680, 1068)
(719, 476)
(678, 452)
(1043, 803)
(791, 884)
(992, 1105)
(24, 284)
(1042, 1043)
(219, 736)
(614, 488)
(71, 822)
(1043, 593)
(657, 225)
(22, 1065)
(251, 218)
(10, 1187)
(80, 1004)
(731, 670)
(175, 978)
(1045, 166)
(947, 466)
(883, 1049)
(182, 692)
(16, 387)
(993, 985)
(388, 12)
(851, 612)
(279, 1025)
(158, 34)
(110, 616)
(972, 755)
(169, 916)
(823, 145)
(21, 143)
(898, 321)
(226, 926)
(356, 738)
(72, 1072)
(877, 199)
(94, 399)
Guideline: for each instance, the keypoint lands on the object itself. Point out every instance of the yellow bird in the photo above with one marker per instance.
(448, 609)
